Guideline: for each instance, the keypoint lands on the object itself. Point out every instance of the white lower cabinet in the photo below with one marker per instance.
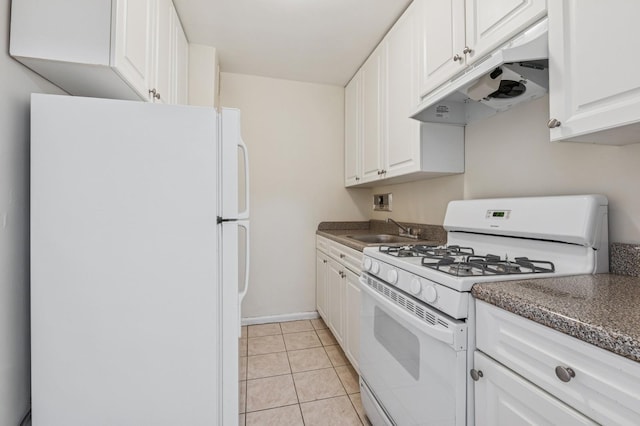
(530, 370)
(338, 294)
(322, 265)
(502, 398)
(335, 300)
(352, 318)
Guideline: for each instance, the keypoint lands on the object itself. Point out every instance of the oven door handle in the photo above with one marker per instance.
(446, 336)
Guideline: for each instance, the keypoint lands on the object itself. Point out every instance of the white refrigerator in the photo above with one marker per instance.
(134, 262)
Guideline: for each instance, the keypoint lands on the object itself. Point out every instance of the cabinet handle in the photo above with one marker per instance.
(324, 261)
(467, 50)
(154, 94)
(553, 123)
(379, 172)
(457, 58)
(565, 373)
(357, 178)
(476, 374)
(342, 256)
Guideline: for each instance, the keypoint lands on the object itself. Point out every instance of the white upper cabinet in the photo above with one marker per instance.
(352, 130)
(123, 49)
(442, 39)
(162, 58)
(490, 23)
(456, 33)
(180, 62)
(588, 101)
(371, 146)
(401, 133)
(134, 32)
(382, 144)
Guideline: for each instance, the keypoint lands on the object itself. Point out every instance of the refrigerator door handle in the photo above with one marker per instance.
(245, 224)
(245, 214)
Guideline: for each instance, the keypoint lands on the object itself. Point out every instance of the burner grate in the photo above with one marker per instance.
(487, 265)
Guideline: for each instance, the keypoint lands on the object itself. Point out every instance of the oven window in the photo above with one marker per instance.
(403, 345)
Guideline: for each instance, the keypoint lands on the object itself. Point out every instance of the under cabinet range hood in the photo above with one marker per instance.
(516, 72)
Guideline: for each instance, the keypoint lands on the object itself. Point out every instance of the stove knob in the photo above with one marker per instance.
(366, 264)
(392, 276)
(375, 267)
(415, 287)
(430, 294)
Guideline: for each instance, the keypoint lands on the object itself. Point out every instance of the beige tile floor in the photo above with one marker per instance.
(294, 373)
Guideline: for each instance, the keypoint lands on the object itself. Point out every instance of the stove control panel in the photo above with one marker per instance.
(449, 301)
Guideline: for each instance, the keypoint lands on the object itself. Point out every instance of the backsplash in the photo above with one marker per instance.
(625, 259)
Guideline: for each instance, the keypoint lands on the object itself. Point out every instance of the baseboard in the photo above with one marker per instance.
(280, 318)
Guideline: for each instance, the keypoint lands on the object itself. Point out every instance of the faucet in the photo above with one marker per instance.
(407, 230)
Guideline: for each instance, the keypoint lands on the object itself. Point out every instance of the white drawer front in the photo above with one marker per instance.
(506, 399)
(322, 244)
(349, 257)
(606, 387)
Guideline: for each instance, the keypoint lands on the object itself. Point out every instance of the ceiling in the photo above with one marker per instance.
(320, 41)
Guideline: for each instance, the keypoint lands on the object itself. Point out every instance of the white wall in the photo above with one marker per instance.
(510, 155)
(295, 135)
(15, 87)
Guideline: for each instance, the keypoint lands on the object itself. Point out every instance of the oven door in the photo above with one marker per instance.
(412, 359)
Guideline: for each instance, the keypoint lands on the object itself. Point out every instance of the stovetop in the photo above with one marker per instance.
(463, 262)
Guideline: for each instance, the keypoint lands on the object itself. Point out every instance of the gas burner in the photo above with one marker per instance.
(435, 252)
(404, 251)
(508, 268)
(454, 266)
(461, 269)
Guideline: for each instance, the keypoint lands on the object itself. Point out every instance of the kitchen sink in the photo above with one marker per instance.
(380, 238)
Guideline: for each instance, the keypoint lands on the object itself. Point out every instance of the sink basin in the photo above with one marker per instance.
(380, 238)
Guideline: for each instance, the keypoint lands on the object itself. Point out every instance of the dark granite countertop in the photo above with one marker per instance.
(339, 232)
(602, 309)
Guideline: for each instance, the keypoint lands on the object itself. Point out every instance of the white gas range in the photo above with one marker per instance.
(417, 322)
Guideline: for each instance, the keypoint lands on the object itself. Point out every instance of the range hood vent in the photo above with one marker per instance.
(516, 72)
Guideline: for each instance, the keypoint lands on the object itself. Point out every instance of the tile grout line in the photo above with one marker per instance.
(287, 351)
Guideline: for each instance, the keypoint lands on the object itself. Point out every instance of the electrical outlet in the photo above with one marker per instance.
(382, 202)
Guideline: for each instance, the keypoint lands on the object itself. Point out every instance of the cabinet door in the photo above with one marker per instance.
(352, 319)
(133, 43)
(585, 94)
(335, 299)
(180, 80)
(490, 23)
(504, 398)
(442, 42)
(352, 130)
(371, 116)
(162, 52)
(402, 134)
(321, 284)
